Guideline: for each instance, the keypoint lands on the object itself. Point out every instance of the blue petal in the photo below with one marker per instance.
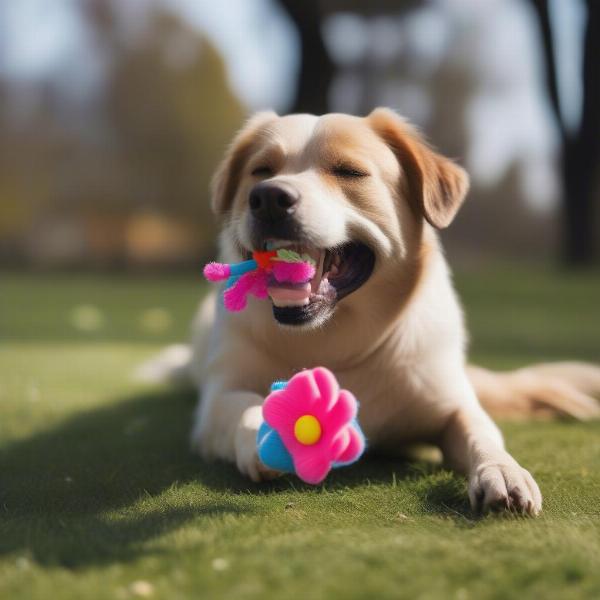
(271, 450)
(279, 385)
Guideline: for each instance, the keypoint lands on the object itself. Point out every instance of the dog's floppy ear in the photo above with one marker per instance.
(226, 177)
(437, 186)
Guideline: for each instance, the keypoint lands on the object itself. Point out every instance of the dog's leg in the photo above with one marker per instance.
(225, 427)
(472, 444)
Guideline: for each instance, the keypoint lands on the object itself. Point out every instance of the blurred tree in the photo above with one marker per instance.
(131, 163)
(168, 107)
(172, 116)
(317, 69)
(581, 146)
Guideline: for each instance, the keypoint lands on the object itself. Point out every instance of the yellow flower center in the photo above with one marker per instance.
(307, 430)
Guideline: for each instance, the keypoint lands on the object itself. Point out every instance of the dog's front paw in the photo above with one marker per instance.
(246, 454)
(504, 486)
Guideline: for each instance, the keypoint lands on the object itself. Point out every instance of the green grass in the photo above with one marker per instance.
(98, 490)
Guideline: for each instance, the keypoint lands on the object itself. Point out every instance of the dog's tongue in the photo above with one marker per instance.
(290, 296)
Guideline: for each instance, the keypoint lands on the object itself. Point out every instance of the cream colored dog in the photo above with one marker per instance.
(364, 196)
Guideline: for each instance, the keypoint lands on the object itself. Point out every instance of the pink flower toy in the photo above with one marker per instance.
(253, 276)
(310, 426)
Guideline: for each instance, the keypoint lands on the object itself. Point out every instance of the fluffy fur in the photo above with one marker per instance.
(398, 342)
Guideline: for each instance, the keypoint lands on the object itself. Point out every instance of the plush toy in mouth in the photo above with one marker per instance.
(309, 426)
(254, 276)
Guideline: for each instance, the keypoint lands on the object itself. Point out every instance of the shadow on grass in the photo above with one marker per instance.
(57, 487)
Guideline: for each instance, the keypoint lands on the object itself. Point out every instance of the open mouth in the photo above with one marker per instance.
(339, 272)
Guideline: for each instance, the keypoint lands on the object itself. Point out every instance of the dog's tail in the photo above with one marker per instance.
(170, 365)
(182, 363)
(550, 390)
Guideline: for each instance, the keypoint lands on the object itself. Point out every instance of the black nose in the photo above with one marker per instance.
(273, 202)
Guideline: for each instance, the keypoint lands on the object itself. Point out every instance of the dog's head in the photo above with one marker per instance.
(354, 193)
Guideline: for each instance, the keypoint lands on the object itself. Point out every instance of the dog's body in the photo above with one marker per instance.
(382, 313)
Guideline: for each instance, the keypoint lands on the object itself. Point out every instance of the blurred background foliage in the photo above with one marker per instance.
(114, 115)
(118, 177)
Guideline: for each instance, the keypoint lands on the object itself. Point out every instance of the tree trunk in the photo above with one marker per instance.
(581, 147)
(582, 153)
(316, 67)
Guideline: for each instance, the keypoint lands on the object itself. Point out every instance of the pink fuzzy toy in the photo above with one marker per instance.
(252, 276)
(293, 272)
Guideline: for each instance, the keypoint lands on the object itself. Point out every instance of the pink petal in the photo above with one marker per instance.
(339, 443)
(328, 386)
(355, 446)
(280, 413)
(311, 467)
(343, 411)
(302, 391)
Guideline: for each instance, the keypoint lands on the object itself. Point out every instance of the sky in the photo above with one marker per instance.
(258, 41)
(260, 45)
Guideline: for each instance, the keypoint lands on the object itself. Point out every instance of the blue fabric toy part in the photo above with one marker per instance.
(272, 451)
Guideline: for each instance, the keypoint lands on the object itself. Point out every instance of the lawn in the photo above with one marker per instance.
(100, 497)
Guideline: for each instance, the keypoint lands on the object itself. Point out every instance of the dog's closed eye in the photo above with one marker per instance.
(348, 172)
(263, 171)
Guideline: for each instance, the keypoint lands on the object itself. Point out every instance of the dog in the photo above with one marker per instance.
(364, 196)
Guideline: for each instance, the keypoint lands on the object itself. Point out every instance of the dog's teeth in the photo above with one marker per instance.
(288, 303)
